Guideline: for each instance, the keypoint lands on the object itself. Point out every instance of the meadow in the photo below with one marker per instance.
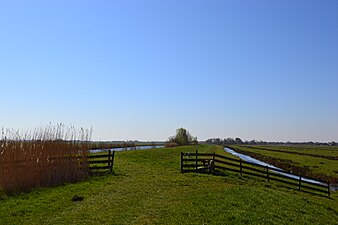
(320, 162)
(148, 188)
(319, 151)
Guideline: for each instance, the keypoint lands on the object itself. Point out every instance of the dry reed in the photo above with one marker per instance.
(45, 156)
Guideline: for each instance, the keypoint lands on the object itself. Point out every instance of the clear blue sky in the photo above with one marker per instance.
(264, 70)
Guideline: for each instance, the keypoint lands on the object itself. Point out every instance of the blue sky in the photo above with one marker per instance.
(264, 70)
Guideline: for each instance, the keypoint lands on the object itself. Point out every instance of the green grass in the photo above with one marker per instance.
(148, 188)
(318, 165)
(314, 150)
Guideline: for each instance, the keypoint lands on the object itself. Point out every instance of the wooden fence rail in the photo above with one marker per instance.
(216, 164)
(99, 162)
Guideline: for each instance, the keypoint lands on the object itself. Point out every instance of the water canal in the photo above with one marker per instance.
(256, 161)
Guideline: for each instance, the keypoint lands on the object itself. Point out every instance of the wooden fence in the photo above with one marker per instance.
(99, 162)
(216, 164)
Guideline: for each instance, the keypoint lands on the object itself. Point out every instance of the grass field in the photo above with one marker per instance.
(148, 188)
(330, 152)
(317, 161)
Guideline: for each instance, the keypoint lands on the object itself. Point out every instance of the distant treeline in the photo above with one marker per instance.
(121, 144)
(239, 141)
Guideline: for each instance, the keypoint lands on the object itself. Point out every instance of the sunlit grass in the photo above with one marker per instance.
(315, 150)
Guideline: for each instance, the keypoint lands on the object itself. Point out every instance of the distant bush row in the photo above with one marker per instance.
(238, 141)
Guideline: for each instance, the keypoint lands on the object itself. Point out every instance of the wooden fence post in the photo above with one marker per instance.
(196, 165)
(328, 188)
(213, 164)
(240, 164)
(267, 173)
(112, 162)
(181, 162)
(109, 162)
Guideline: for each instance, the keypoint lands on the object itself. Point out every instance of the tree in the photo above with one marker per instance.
(183, 137)
(239, 141)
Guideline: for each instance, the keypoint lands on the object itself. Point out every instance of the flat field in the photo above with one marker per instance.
(311, 150)
(148, 188)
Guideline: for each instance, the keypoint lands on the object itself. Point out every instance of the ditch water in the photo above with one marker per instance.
(253, 160)
(125, 149)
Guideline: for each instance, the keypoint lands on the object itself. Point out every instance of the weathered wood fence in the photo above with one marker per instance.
(99, 162)
(216, 164)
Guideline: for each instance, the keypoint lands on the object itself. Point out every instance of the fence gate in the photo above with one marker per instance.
(101, 162)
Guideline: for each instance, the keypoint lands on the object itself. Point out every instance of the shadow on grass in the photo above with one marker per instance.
(103, 173)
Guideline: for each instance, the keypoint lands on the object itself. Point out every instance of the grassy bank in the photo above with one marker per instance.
(148, 188)
(320, 162)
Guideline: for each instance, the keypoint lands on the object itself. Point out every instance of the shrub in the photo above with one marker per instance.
(183, 137)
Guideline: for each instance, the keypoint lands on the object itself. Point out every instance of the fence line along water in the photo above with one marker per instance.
(218, 164)
(256, 161)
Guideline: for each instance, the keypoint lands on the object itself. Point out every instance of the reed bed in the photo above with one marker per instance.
(45, 156)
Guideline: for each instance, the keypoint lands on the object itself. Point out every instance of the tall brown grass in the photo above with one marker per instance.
(46, 156)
